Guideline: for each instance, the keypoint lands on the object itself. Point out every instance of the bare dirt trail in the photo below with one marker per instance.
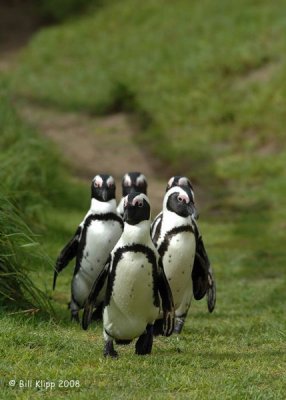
(89, 144)
(96, 145)
(18, 22)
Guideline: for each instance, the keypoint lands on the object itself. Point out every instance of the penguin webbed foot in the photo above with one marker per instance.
(75, 317)
(109, 350)
(145, 341)
(179, 324)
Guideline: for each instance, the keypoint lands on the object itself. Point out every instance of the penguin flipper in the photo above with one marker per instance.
(167, 302)
(209, 280)
(211, 292)
(156, 228)
(201, 267)
(91, 300)
(199, 277)
(67, 254)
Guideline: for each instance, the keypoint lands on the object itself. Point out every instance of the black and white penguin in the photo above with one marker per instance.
(201, 253)
(92, 243)
(132, 182)
(176, 241)
(137, 290)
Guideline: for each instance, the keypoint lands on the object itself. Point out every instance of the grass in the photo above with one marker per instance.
(31, 178)
(207, 79)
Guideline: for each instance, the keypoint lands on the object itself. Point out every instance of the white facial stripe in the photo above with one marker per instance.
(127, 180)
(175, 189)
(125, 202)
(140, 180)
(110, 181)
(170, 183)
(184, 181)
(193, 194)
(98, 180)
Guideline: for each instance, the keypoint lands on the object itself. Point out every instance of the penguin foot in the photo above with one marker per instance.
(144, 343)
(179, 323)
(109, 350)
(75, 316)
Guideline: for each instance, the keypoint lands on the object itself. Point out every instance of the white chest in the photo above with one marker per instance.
(178, 264)
(101, 237)
(131, 305)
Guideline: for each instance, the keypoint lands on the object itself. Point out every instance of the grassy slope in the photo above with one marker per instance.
(209, 79)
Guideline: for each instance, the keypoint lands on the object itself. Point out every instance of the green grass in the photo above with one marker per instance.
(235, 353)
(32, 178)
(206, 79)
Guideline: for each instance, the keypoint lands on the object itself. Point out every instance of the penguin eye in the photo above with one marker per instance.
(180, 199)
(140, 204)
(96, 184)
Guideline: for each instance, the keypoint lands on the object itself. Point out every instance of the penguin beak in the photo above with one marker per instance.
(104, 194)
(126, 214)
(132, 190)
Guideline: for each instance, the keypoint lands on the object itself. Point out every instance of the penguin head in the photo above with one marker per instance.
(180, 201)
(133, 182)
(103, 188)
(181, 181)
(185, 183)
(136, 208)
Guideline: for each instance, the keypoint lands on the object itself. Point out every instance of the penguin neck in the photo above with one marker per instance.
(139, 233)
(171, 219)
(102, 207)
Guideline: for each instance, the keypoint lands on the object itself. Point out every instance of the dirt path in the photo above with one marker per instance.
(96, 145)
(18, 22)
(89, 144)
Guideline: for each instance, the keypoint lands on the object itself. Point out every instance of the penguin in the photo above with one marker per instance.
(132, 182)
(176, 243)
(137, 291)
(201, 253)
(92, 243)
